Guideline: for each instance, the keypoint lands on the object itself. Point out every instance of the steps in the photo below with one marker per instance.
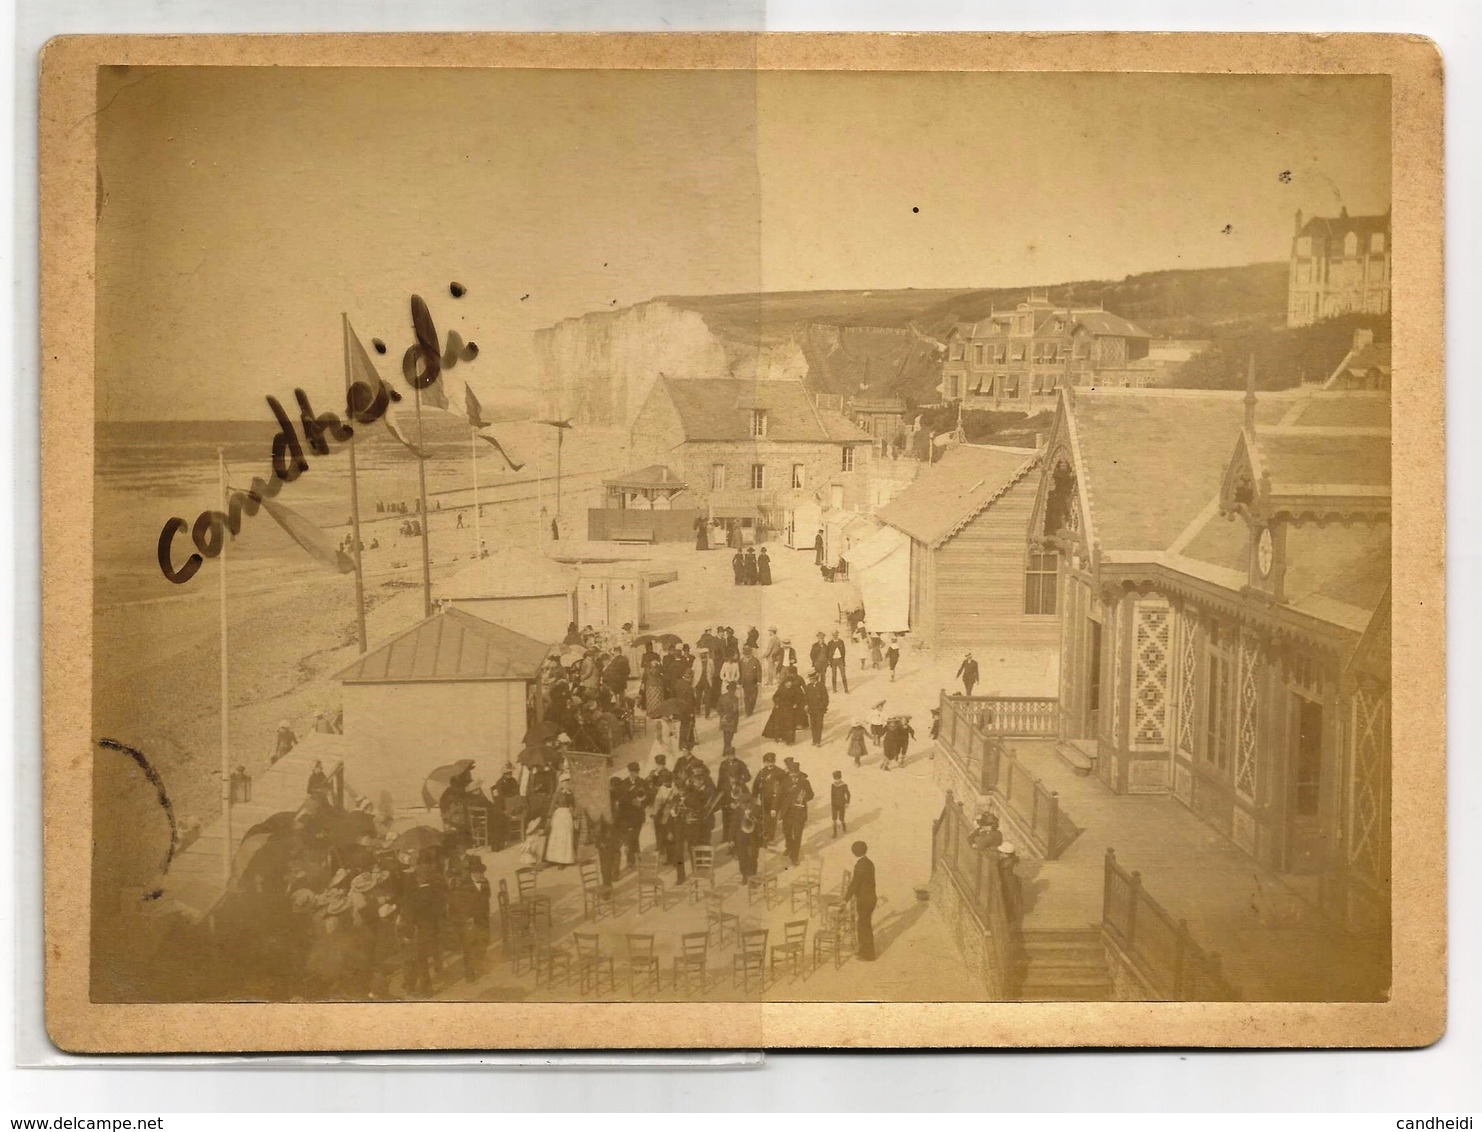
(1080, 754)
(1065, 965)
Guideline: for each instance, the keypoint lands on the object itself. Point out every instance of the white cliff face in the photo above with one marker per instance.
(597, 369)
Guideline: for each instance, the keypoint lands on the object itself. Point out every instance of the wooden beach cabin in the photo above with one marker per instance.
(451, 687)
(520, 589)
(971, 583)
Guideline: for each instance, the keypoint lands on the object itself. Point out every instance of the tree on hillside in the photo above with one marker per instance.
(1285, 357)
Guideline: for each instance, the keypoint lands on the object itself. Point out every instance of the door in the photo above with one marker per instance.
(1093, 680)
(1307, 824)
(836, 495)
(591, 602)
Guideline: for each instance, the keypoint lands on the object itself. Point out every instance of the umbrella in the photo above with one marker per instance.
(540, 732)
(281, 822)
(572, 654)
(418, 838)
(262, 851)
(438, 781)
(532, 756)
(665, 639)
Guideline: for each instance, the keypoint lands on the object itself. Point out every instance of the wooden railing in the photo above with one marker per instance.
(1161, 949)
(980, 752)
(1027, 717)
(978, 879)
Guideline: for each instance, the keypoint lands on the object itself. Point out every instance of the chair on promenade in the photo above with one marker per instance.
(718, 920)
(478, 827)
(642, 963)
(692, 961)
(831, 900)
(591, 965)
(702, 870)
(540, 906)
(807, 885)
(793, 946)
(595, 896)
(763, 883)
(551, 960)
(516, 929)
(650, 883)
(832, 938)
(750, 959)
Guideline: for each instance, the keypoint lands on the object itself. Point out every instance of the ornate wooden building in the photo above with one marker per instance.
(1224, 570)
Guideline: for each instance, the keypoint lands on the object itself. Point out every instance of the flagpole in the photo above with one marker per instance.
(226, 755)
(473, 460)
(422, 487)
(355, 511)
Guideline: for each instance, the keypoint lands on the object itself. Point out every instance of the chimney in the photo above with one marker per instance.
(1362, 338)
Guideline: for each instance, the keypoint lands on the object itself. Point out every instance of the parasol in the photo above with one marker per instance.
(437, 781)
(282, 822)
(542, 731)
(572, 653)
(418, 838)
(664, 639)
(532, 756)
(262, 851)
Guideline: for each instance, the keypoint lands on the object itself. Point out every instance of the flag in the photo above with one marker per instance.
(359, 367)
(493, 442)
(472, 409)
(308, 536)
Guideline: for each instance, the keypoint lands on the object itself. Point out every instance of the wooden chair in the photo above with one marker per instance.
(642, 962)
(478, 827)
(591, 965)
(517, 930)
(831, 900)
(807, 885)
(793, 946)
(692, 960)
(763, 884)
(539, 905)
(594, 894)
(702, 870)
(719, 921)
(650, 883)
(829, 939)
(750, 958)
(549, 960)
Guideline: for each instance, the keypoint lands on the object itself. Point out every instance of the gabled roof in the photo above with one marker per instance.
(451, 645)
(721, 408)
(1106, 323)
(955, 490)
(1331, 226)
(654, 475)
(1360, 362)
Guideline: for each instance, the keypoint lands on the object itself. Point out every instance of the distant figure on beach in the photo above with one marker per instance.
(702, 533)
(555, 532)
(460, 521)
(818, 548)
(763, 570)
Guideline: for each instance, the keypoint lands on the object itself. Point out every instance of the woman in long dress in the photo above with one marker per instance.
(560, 844)
(789, 706)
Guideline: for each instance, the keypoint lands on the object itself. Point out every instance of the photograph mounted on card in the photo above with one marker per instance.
(753, 541)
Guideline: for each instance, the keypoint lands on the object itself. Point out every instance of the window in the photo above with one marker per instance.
(1309, 758)
(1304, 245)
(717, 477)
(1217, 712)
(758, 422)
(1082, 348)
(956, 351)
(1350, 244)
(978, 354)
(1018, 352)
(758, 477)
(846, 458)
(797, 477)
(954, 388)
(1039, 583)
(1000, 352)
(1011, 385)
(1376, 243)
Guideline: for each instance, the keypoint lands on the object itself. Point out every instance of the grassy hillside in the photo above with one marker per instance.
(1284, 357)
(884, 341)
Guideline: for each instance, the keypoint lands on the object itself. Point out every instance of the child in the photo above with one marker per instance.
(857, 748)
(839, 801)
(875, 646)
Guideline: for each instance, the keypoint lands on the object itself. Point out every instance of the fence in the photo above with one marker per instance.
(676, 525)
(1162, 951)
(973, 731)
(978, 879)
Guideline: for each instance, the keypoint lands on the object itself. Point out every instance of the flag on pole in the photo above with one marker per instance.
(359, 367)
(308, 536)
(472, 409)
(493, 441)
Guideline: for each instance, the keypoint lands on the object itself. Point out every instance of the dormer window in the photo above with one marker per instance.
(758, 422)
(1350, 244)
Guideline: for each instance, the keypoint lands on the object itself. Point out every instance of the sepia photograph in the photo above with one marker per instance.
(698, 535)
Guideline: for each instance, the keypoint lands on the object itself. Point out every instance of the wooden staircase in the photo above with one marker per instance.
(1065, 965)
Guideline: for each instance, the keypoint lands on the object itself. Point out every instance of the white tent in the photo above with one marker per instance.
(881, 565)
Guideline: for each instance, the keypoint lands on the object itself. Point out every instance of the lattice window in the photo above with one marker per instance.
(1246, 715)
(1370, 731)
(1151, 650)
(1187, 717)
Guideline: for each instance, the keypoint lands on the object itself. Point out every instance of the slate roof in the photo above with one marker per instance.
(451, 645)
(1361, 362)
(944, 497)
(1335, 227)
(1297, 456)
(1106, 323)
(720, 409)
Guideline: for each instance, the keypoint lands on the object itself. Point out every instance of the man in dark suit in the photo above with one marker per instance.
(751, 679)
(968, 670)
(631, 802)
(817, 695)
(862, 891)
(767, 789)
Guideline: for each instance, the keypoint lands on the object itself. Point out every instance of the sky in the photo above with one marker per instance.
(244, 209)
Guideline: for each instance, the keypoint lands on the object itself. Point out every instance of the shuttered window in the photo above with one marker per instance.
(1039, 584)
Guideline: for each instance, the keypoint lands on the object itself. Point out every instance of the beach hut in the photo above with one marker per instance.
(518, 588)
(451, 687)
(881, 566)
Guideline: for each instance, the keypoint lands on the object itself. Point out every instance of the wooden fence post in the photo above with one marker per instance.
(1134, 896)
(1054, 824)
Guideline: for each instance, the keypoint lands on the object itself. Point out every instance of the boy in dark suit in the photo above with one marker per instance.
(839, 801)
